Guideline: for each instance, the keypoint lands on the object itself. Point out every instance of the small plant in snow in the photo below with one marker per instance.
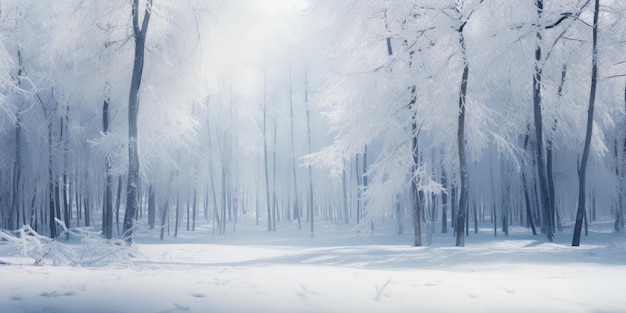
(382, 292)
(93, 250)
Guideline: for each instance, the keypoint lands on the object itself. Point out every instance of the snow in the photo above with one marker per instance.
(288, 271)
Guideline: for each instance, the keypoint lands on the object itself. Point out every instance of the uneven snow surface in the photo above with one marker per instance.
(251, 270)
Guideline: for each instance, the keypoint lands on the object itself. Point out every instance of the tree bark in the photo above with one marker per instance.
(163, 217)
(108, 184)
(194, 210)
(17, 165)
(296, 201)
(117, 204)
(51, 185)
(546, 225)
(265, 158)
(139, 32)
(444, 201)
(463, 174)
(358, 188)
(151, 207)
(529, 214)
(580, 213)
(177, 216)
(308, 126)
(417, 205)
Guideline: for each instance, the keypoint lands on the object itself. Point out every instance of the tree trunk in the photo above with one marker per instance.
(475, 218)
(549, 161)
(139, 32)
(417, 205)
(580, 213)
(620, 168)
(163, 217)
(358, 192)
(529, 214)
(365, 184)
(308, 127)
(265, 159)
(545, 202)
(194, 210)
(346, 213)
(108, 192)
(151, 207)
(444, 201)
(296, 201)
(505, 207)
(17, 165)
(51, 185)
(212, 177)
(274, 200)
(188, 214)
(117, 204)
(177, 217)
(463, 174)
(417, 213)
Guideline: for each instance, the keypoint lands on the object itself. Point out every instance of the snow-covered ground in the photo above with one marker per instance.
(253, 270)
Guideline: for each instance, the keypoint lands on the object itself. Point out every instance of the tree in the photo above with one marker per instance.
(582, 172)
(108, 184)
(139, 33)
(463, 170)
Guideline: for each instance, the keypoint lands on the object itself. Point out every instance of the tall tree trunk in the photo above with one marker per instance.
(529, 214)
(151, 207)
(463, 174)
(308, 127)
(177, 216)
(580, 213)
(365, 184)
(188, 214)
(63, 189)
(265, 158)
(620, 168)
(139, 32)
(163, 218)
(344, 187)
(117, 204)
(358, 192)
(274, 200)
(545, 202)
(444, 201)
(549, 159)
(51, 185)
(17, 165)
(108, 185)
(296, 200)
(224, 200)
(417, 205)
(194, 209)
(212, 175)
(505, 207)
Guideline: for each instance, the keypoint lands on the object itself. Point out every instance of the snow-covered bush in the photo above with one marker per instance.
(28, 243)
(93, 250)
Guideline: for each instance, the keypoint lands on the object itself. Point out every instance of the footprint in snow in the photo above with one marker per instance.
(55, 294)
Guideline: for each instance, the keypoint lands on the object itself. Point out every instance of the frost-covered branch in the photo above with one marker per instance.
(92, 250)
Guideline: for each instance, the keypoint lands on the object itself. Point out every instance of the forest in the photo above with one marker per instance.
(312, 156)
(436, 116)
